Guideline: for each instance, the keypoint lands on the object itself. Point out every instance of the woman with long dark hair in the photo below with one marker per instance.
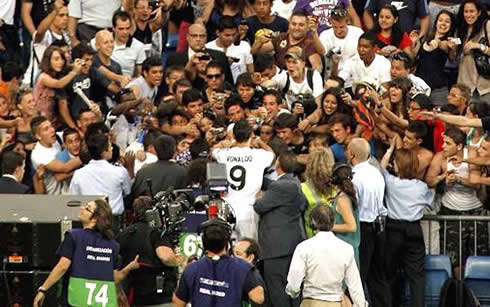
(473, 24)
(90, 255)
(53, 76)
(390, 37)
(406, 198)
(332, 103)
(433, 55)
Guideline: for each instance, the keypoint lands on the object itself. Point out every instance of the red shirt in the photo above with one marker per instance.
(406, 41)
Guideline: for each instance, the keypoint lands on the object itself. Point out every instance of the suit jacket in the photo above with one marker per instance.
(181, 58)
(281, 225)
(163, 174)
(10, 186)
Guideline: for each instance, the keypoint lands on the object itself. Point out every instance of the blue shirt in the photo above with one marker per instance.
(99, 177)
(406, 198)
(338, 152)
(63, 156)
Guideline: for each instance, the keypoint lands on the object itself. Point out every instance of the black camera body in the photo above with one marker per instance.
(307, 101)
(168, 212)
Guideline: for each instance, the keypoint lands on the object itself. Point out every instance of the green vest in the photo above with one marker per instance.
(313, 199)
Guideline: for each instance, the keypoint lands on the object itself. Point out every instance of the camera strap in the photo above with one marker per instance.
(309, 79)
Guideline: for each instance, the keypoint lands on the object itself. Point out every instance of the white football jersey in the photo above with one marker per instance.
(245, 169)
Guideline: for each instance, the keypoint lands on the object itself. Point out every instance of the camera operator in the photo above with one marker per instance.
(218, 279)
(155, 281)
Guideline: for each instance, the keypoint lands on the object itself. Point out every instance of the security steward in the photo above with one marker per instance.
(218, 279)
(89, 256)
(155, 281)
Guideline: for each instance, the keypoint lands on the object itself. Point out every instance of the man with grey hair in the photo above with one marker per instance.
(370, 186)
(322, 263)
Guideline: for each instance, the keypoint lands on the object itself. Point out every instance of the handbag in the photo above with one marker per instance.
(482, 61)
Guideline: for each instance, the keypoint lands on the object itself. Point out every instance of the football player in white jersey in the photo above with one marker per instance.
(245, 160)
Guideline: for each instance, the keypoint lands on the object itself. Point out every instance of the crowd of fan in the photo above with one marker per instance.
(85, 98)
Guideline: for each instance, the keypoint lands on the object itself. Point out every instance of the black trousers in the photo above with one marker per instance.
(405, 250)
(372, 261)
(275, 277)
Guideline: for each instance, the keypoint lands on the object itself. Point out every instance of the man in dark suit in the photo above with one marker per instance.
(13, 164)
(163, 173)
(196, 38)
(281, 228)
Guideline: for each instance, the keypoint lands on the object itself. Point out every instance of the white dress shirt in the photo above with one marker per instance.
(322, 263)
(370, 190)
(99, 177)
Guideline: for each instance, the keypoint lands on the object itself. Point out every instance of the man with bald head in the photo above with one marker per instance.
(196, 39)
(104, 43)
(370, 187)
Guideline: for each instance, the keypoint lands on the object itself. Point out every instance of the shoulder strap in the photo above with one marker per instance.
(485, 31)
(309, 77)
(285, 89)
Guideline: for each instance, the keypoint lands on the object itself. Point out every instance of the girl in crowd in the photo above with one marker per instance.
(53, 67)
(232, 8)
(27, 107)
(390, 38)
(433, 54)
(332, 102)
(473, 24)
(406, 198)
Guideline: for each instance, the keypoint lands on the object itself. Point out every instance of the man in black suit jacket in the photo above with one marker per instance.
(281, 228)
(163, 173)
(13, 164)
(196, 38)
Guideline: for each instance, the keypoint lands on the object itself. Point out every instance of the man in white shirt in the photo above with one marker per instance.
(146, 85)
(44, 154)
(370, 186)
(245, 166)
(366, 64)
(297, 79)
(128, 51)
(51, 28)
(322, 263)
(87, 17)
(239, 56)
(99, 177)
(341, 39)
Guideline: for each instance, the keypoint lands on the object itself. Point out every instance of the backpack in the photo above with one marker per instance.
(309, 79)
(454, 293)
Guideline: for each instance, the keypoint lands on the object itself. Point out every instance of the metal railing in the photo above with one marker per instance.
(444, 219)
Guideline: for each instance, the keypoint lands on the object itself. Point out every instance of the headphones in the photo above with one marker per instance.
(335, 176)
(215, 222)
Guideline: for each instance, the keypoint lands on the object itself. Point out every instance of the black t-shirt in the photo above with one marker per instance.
(278, 25)
(39, 10)
(114, 66)
(143, 280)
(145, 36)
(409, 10)
(93, 85)
(486, 123)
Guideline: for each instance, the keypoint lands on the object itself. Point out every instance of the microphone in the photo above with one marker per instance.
(82, 95)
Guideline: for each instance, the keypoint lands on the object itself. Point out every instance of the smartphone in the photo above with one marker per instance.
(204, 57)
